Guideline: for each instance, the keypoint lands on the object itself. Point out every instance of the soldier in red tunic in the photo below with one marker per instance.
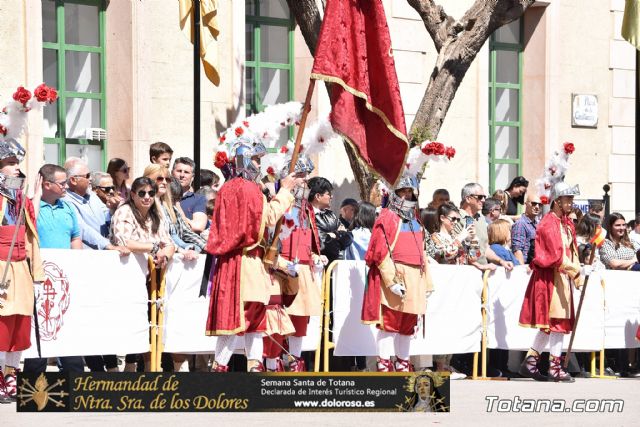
(548, 302)
(241, 287)
(398, 280)
(20, 254)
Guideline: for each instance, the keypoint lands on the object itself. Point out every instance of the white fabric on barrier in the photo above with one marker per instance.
(186, 313)
(505, 295)
(453, 320)
(622, 308)
(97, 304)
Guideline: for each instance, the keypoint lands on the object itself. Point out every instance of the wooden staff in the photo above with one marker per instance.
(272, 251)
(575, 326)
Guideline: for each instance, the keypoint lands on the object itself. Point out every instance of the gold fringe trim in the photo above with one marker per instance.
(373, 109)
(545, 327)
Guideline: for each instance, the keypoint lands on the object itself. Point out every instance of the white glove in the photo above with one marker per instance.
(318, 266)
(292, 269)
(398, 289)
(586, 270)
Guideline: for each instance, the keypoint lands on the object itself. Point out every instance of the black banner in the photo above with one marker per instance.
(224, 392)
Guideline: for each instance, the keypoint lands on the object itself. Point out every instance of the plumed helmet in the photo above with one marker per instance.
(408, 180)
(10, 147)
(303, 165)
(563, 189)
(244, 150)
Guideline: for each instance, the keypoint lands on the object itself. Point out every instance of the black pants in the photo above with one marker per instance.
(69, 364)
(99, 363)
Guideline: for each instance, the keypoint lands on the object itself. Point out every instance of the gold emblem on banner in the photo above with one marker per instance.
(41, 393)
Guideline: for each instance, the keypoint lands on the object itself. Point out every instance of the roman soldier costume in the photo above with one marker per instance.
(398, 279)
(548, 300)
(20, 267)
(241, 287)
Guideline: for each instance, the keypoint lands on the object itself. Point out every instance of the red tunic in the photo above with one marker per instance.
(236, 225)
(549, 255)
(387, 224)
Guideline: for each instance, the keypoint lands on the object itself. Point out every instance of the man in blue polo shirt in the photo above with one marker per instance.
(57, 228)
(193, 205)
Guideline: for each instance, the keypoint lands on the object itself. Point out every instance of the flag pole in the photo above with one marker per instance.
(575, 325)
(272, 250)
(196, 92)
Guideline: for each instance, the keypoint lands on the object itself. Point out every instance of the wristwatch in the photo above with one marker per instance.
(155, 248)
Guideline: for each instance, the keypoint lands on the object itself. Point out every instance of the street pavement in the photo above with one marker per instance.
(469, 405)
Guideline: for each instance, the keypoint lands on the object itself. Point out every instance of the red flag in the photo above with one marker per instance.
(354, 54)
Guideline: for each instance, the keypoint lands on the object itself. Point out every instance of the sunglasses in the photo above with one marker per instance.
(538, 204)
(143, 193)
(162, 179)
(453, 219)
(106, 189)
(479, 196)
(87, 176)
(124, 169)
(62, 184)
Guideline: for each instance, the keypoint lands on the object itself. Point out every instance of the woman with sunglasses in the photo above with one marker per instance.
(188, 243)
(119, 171)
(137, 224)
(445, 243)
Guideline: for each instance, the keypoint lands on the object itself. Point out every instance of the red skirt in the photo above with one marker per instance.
(397, 321)
(300, 323)
(15, 332)
(537, 300)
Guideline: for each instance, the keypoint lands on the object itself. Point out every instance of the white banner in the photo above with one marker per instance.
(622, 308)
(95, 302)
(186, 313)
(505, 295)
(453, 319)
(91, 303)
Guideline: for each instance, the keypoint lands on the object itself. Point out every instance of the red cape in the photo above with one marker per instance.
(236, 224)
(387, 223)
(548, 257)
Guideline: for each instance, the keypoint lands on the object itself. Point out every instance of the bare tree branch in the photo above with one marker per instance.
(435, 19)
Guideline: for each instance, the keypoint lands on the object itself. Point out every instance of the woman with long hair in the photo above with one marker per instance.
(515, 194)
(450, 247)
(137, 224)
(585, 230)
(429, 219)
(617, 251)
(119, 171)
(170, 217)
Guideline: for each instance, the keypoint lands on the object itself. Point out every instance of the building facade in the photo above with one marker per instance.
(560, 73)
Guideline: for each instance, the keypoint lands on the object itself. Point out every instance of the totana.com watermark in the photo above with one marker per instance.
(494, 403)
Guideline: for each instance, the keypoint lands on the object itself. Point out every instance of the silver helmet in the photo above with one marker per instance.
(404, 208)
(303, 165)
(10, 147)
(563, 189)
(244, 150)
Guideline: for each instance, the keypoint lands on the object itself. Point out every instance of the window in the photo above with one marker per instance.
(73, 62)
(505, 105)
(269, 54)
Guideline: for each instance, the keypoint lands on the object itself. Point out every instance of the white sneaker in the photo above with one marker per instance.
(455, 374)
